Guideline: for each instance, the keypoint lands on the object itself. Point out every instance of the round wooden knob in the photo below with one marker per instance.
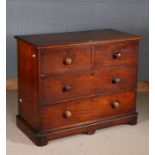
(116, 55)
(67, 87)
(115, 104)
(115, 80)
(68, 114)
(68, 61)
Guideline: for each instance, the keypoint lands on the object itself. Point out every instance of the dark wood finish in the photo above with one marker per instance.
(78, 82)
(92, 109)
(28, 84)
(86, 84)
(118, 53)
(54, 60)
(80, 38)
(42, 139)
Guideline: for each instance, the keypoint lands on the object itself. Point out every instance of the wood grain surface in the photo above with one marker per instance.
(77, 82)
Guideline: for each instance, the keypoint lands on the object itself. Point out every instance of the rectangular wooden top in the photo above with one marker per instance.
(80, 37)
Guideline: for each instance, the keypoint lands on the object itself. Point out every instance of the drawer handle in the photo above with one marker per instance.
(68, 61)
(67, 87)
(115, 104)
(116, 55)
(68, 114)
(115, 80)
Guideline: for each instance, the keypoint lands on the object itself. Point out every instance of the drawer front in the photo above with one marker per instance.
(87, 110)
(64, 87)
(58, 61)
(119, 53)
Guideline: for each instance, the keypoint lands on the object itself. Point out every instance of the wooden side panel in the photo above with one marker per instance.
(28, 83)
(90, 109)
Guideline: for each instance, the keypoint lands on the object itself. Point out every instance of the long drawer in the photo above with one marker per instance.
(73, 86)
(87, 110)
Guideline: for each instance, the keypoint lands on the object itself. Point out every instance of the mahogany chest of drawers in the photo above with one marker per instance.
(77, 82)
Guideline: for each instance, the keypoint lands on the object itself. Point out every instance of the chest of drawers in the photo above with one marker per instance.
(77, 82)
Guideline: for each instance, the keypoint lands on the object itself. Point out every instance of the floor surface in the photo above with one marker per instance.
(119, 140)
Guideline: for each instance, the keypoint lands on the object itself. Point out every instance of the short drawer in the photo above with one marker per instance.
(74, 86)
(117, 53)
(87, 110)
(61, 60)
